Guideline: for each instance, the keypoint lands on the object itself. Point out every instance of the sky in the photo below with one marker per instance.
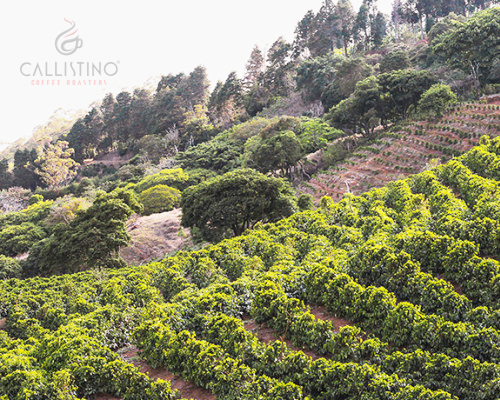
(136, 41)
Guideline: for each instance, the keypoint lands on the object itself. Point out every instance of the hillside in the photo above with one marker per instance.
(325, 226)
(407, 150)
(154, 236)
(403, 282)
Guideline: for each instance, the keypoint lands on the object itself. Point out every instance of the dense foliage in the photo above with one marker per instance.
(384, 261)
(390, 295)
(92, 238)
(159, 198)
(234, 202)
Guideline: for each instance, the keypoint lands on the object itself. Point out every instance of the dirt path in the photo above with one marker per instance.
(321, 313)
(266, 334)
(186, 389)
(154, 236)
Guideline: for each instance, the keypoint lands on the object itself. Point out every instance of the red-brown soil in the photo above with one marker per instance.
(186, 389)
(321, 313)
(266, 335)
(392, 158)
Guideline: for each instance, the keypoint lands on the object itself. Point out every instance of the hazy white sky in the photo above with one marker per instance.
(148, 39)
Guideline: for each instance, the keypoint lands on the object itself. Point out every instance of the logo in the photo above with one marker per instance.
(68, 46)
(73, 72)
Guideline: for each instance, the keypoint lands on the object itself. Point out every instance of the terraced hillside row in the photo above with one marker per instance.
(408, 150)
(393, 294)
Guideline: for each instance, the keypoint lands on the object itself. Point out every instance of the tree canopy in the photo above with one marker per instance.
(472, 45)
(93, 238)
(229, 204)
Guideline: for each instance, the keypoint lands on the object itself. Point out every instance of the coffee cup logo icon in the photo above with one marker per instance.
(68, 46)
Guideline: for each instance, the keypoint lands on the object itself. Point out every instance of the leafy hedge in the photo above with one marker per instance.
(408, 266)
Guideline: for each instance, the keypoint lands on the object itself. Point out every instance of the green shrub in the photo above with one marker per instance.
(436, 99)
(36, 198)
(34, 213)
(305, 202)
(199, 175)
(395, 60)
(9, 268)
(175, 178)
(159, 198)
(17, 239)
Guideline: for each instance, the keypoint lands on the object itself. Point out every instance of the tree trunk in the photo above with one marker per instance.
(474, 65)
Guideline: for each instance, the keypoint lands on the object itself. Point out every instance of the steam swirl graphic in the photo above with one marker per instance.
(68, 46)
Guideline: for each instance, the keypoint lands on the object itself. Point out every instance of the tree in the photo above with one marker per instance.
(159, 198)
(314, 75)
(6, 177)
(227, 205)
(139, 113)
(359, 113)
(396, 18)
(92, 239)
(444, 25)
(24, 174)
(416, 11)
(349, 72)
(395, 60)
(315, 133)
(217, 155)
(277, 77)
(121, 116)
(345, 23)
(254, 67)
(176, 95)
(472, 46)
(279, 152)
(403, 88)
(303, 33)
(226, 101)
(85, 135)
(196, 127)
(369, 26)
(315, 35)
(362, 23)
(435, 100)
(194, 89)
(378, 29)
(54, 164)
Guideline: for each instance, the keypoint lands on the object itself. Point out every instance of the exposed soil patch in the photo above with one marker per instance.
(112, 158)
(186, 389)
(456, 286)
(154, 236)
(2, 324)
(266, 335)
(321, 313)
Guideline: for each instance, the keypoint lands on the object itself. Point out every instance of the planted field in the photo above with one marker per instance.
(394, 294)
(408, 150)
